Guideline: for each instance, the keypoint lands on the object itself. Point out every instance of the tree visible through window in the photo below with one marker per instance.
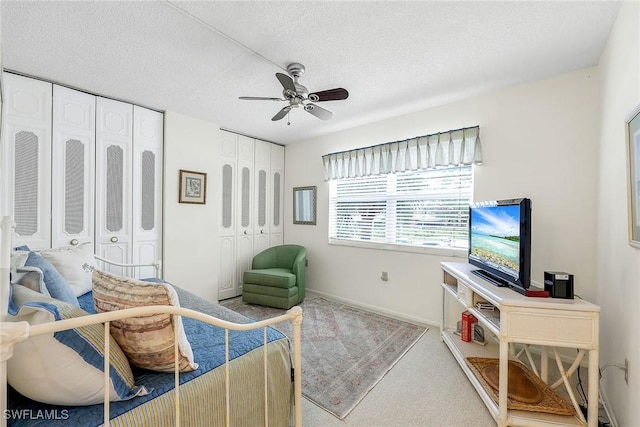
(424, 208)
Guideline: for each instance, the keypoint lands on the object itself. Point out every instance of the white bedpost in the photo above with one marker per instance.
(5, 245)
(5, 254)
(297, 362)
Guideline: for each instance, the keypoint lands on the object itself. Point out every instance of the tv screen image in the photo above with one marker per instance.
(500, 241)
(495, 236)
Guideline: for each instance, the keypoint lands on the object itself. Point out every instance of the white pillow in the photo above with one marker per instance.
(75, 264)
(32, 278)
(64, 368)
(18, 259)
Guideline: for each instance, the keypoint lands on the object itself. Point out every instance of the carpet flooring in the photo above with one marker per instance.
(345, 351)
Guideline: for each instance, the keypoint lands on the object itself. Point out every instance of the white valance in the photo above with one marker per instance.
(451, 148)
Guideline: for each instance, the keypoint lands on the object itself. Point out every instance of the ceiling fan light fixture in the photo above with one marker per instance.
(296, 94)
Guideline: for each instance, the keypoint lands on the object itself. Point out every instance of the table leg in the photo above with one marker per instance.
(503, 385)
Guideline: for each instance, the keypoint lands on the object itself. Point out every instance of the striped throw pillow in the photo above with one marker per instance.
(148, 341)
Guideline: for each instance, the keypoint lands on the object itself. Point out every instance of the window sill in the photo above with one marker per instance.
(449, 252)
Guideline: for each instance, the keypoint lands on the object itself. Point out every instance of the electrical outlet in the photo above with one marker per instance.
(626, 371)
(385, 276)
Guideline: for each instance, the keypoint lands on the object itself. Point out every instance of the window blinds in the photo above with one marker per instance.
(426, 208)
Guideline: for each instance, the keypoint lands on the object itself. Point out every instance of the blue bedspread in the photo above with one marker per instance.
(207, 343)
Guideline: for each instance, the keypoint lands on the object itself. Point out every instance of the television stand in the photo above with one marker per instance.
(514, 325)
(491, 278)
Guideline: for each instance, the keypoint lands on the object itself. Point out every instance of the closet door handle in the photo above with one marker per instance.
(74, 242)
(114, 239)
(246, 232)
(261, 231)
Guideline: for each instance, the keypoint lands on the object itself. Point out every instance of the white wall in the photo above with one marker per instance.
(190, 239)
(618, 263)
(539, 141)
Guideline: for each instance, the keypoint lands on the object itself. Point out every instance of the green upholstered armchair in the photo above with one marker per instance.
(276, 278)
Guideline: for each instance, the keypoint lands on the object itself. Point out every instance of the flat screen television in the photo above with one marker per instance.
(500, 242)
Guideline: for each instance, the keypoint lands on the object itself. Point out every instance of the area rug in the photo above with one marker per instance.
(345, 351)
(549, 401)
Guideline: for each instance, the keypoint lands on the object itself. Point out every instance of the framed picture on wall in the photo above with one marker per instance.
(193, 187)
(633, 172)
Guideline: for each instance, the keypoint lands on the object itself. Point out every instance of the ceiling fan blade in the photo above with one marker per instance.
(319, 112)
(282, 113)
(260, 98)
(336, 94)
(286, 82)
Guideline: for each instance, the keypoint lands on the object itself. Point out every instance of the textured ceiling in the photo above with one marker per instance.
(394, 57)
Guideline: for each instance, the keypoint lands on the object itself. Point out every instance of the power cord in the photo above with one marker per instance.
(609, 420)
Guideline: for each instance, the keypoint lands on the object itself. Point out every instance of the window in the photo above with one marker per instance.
(413, 209)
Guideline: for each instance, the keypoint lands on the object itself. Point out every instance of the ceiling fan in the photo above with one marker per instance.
(298, 95)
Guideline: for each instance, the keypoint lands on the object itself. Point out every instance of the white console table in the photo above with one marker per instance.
(545, 322)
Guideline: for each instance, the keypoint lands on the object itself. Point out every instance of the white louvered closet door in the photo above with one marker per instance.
(114, 141)
(147, 189)
(261, 240)
(73, 152)
(245, 221)
(228, 216)
(277, 190)
(27, 134)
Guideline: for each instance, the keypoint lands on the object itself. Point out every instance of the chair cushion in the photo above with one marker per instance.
(274, 291)
(278, 277)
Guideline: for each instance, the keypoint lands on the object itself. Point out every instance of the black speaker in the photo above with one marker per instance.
(558, 284)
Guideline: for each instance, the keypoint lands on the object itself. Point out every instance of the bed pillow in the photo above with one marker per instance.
(30, 277)
(75, 264)
(147, 341)
(56, 284)
(64, 368)
(18, 258)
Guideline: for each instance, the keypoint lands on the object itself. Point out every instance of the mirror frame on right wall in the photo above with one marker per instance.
(304, 205)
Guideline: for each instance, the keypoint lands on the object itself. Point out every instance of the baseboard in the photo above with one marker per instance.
(374, 309)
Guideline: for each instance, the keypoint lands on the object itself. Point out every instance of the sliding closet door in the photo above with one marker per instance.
(74, 166)
(245, 202)
(114, 140)
(228, 216)
(27, 134)
(277, 189)
(262, 191)
(147, 189)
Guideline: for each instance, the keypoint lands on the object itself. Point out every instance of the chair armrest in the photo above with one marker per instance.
(299, 266)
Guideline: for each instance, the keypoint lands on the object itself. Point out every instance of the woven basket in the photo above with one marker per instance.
(550, 401)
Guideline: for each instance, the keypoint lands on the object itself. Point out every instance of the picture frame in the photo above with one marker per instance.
(633, 175)
(193, 187)
(304, 205)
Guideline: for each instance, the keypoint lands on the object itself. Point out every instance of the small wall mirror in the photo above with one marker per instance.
(304, 205)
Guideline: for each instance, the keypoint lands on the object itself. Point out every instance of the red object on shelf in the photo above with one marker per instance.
(468, 320)
(539, 293)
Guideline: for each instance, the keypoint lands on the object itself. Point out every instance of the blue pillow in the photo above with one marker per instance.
(56, 285)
